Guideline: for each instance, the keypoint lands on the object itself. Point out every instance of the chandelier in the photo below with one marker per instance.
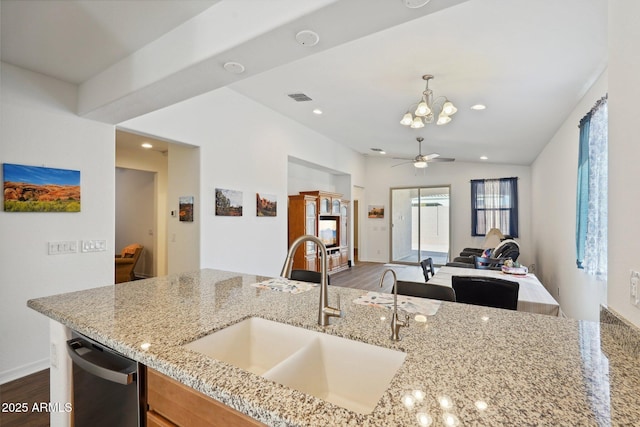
(427, 108)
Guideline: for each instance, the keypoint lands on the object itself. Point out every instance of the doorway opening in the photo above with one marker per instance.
(135, 217)
(420, 224)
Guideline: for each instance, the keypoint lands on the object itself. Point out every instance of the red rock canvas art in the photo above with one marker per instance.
(40, 189)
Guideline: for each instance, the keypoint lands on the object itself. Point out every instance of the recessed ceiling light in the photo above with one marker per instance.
(478, 107)
(484, 158)
(317, 111)
(146, 145)
(379, 150)
(234, 67)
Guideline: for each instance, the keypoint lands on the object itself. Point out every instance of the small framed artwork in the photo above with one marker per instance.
(186, 208)
(40, 189)
(376, 211)
(266, 204)
(228, 202)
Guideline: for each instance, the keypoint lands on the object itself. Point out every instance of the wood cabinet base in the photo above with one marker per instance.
(172, 403)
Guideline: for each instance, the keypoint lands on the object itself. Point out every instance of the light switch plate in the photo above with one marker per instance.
(94, 245)
(62, 247)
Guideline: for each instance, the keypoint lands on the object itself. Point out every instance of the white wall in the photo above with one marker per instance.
(252, 159)
(156, 162)
(624, 151)
(554, 183)
(307, 178)
(38, 127)
(184, 236)
(380, 177)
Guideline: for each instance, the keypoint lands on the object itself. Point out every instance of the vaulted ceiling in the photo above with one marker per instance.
(528, 62)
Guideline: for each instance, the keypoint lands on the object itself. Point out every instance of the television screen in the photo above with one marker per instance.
(327, 231)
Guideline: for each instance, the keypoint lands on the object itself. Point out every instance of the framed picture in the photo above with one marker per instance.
(266, 204)
(186, 208)
(376, 211)
(40, 189)
(228, 202)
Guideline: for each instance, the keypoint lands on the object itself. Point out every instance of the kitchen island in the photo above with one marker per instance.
(466, 365)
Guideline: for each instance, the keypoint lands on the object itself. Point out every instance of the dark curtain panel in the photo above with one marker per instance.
(494, 204)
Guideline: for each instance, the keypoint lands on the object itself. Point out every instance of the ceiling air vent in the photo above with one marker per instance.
(299, 97)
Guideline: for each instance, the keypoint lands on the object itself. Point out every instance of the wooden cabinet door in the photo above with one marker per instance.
(173, 403)
(335, 207)
(344, 224)
(325, 205)
(156, 420)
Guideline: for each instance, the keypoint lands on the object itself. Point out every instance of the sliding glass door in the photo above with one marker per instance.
(420, 224)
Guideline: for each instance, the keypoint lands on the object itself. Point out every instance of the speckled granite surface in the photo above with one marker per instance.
(475, 366)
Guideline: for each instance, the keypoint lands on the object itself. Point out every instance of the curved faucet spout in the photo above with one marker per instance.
(324, 310)
(396, 323)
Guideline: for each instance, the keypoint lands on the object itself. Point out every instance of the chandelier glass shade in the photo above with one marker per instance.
(428, 108)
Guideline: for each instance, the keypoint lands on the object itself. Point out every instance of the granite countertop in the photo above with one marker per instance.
(475, 365)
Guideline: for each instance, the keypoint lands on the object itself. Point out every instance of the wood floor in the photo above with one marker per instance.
(35, 388)
(31, 389)
(366, 275)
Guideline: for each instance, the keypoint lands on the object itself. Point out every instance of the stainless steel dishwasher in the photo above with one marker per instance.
(106, 385)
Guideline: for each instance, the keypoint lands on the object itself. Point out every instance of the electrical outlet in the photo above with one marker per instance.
(634, 283)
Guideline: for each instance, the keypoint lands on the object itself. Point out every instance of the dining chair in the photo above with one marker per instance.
(486, 263)
(425, 290)
(427, 268)
(486, 291)
(307, 276)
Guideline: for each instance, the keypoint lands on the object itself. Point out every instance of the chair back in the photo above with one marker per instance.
(308, 276)
(486, 291)
(486, 263)
(427, 268)
(125, 263)
(425, 290)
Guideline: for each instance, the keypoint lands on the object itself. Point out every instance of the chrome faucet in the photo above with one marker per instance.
(324, 310)
(396, 323)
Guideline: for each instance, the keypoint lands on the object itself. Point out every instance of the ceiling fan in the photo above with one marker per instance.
(422, 161)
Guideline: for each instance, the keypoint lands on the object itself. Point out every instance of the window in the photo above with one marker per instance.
(591, 200)
(494, 204)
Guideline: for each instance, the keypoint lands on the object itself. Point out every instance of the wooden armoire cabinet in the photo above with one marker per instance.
(324, 215)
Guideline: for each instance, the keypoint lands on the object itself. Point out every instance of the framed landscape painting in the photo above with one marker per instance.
(376, 211)
(186, 208)
(266, 204)
(40, 189)
(228, 202)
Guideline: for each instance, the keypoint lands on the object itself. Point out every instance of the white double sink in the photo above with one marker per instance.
(347, 373)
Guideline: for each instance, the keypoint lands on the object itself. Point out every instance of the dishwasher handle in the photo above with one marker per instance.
(101, 362)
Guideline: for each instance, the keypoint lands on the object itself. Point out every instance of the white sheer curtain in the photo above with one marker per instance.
(595, 256)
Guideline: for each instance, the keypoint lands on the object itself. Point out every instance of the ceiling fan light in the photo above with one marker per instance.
(423, 109)
(417, 123)
(420, 164)
(443, 119)
(406, 119)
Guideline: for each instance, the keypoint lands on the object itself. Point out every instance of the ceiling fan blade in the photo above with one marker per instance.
(442, 159)
(402, 158)
(431, 156)
(400, 164)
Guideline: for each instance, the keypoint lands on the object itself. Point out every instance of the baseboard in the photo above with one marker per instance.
(23, 371)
